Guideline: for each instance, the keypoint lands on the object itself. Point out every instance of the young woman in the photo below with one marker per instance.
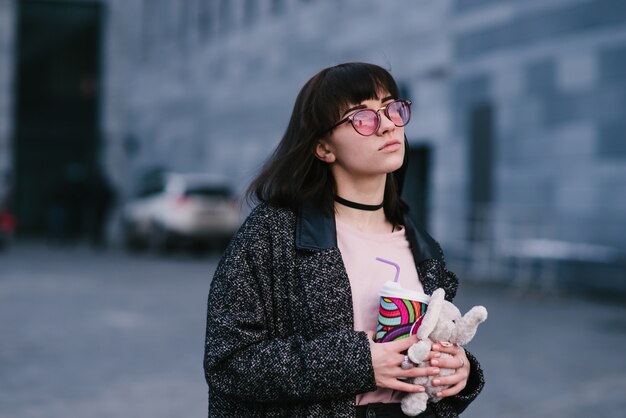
(294, 300)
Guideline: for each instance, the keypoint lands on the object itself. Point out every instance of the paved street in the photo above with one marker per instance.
(89, 334)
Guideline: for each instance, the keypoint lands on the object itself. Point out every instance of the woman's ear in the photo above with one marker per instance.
(324, 152)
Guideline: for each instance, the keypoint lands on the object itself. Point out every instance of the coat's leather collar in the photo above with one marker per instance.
(424, 247)
(316, 231)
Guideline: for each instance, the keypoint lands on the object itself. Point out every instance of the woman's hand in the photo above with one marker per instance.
(459, 362)
(387, 359)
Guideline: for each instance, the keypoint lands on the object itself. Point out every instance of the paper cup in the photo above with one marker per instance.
(400, 312)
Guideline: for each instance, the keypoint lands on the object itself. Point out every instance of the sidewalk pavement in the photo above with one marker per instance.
(548, 355)
(109, 334)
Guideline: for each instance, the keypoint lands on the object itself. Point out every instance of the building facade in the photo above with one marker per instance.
(518, 141)
(539, 97)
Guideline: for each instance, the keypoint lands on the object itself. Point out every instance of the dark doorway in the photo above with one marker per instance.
(480, 170)
(57, 98)
(416, 190)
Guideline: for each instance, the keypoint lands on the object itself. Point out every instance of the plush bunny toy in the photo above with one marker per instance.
(443, 323)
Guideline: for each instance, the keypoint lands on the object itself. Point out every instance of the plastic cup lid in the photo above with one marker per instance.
(394, 290)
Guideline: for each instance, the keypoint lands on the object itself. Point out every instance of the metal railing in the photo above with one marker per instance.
(527, 248)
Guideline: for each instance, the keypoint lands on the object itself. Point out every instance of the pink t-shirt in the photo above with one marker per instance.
(367, 275)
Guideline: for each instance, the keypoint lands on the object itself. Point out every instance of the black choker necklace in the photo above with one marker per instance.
(356, 205)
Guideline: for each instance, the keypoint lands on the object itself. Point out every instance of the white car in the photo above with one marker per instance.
(181, 208)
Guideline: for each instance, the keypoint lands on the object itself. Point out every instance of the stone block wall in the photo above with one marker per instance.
(211, 85)
(554, 73)
(208, 85)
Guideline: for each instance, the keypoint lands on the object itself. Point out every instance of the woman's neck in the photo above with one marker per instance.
(366, 221)
(365, 190)
(365, 193)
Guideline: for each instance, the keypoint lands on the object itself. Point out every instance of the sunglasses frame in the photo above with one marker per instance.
(385, 110)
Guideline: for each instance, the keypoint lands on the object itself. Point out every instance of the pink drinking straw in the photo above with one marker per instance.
(393, 264)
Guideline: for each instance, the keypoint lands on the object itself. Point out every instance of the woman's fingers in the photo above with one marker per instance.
(403, 344)
(453, 384)
(447, 362)
(444, 347)
(451, 380)
(456, 381)
(453, 390)
(387, 359)
(458, 361)
(404, 387)
(418, 372)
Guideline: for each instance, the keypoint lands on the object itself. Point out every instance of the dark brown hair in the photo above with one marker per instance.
(293, 173)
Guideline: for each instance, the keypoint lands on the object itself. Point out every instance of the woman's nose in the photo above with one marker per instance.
(385, 123)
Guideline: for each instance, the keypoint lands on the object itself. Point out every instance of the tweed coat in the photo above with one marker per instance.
(279, 332)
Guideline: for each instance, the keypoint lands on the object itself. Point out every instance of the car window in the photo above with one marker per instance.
(214, 191)
(151, 182)
(151, 188)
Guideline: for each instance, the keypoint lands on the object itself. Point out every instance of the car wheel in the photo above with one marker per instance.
(131, 239)
(160, 238)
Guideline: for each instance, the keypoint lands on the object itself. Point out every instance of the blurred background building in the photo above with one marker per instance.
(518, 143)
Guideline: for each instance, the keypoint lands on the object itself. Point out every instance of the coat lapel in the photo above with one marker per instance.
(324, 278)
(426, 254)
(327, 290)
(429, 271)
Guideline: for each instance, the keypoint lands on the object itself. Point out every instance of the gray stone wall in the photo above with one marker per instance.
(554, 73)
(225, 87)
(121, 52)
(274, 61)
(208, 85)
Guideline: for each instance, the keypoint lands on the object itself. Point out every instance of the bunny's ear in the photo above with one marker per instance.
(431, 317)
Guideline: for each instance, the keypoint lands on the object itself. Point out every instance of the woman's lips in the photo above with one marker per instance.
(391, 146)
